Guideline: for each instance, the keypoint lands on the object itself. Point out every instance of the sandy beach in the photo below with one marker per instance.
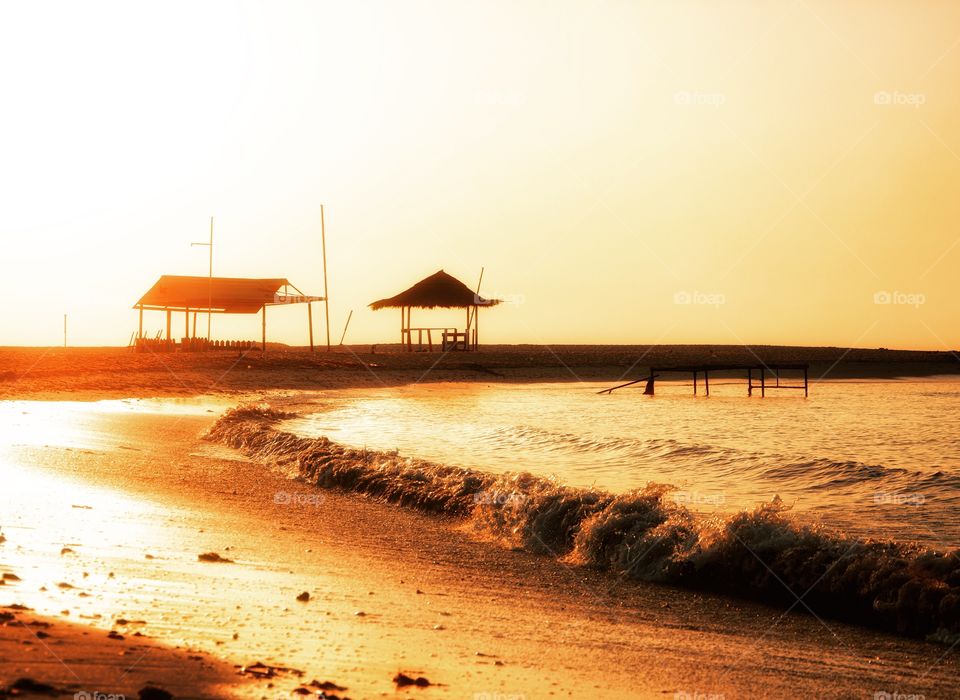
(137, 494)
(479, 350)
(120, 373)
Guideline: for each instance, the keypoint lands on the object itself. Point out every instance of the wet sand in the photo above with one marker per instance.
(476, 619)
(73, 659)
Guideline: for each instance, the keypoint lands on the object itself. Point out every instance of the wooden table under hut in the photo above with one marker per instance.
(438, 291)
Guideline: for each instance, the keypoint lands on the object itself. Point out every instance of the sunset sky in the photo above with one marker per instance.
(782, 166)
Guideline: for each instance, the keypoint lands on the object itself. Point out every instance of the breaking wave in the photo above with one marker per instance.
(761, 554)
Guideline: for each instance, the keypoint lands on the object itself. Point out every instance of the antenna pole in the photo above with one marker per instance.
(209, 285)
(326, 291)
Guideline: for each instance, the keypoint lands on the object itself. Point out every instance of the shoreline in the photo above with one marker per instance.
(102, 373)
(439, 599)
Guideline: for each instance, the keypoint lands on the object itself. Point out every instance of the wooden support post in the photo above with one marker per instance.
(264, 328)
(778, 376)
(806, 392)
(186, 323)
(310, 321)
(763, 383)
(409, 332)
(140, 333)
(476, 329)
(169, 317)
(706, 382)
(194, 324)
(749, 381)
(694, 383)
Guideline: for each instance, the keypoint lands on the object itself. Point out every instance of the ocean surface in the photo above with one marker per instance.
(870, 459)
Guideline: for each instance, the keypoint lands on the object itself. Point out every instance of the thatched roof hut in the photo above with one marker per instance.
(442, 291)
(439, 290)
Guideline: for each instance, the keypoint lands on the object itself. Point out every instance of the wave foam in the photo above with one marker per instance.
(643, 534)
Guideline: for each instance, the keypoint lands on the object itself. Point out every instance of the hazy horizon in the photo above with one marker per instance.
(626, 173)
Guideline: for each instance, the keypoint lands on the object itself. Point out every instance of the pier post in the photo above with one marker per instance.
(706, 382)
(763, 383)
(749, 381)
(806, 392)
(695, 383)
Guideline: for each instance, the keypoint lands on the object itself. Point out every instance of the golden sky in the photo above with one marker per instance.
(633, 172)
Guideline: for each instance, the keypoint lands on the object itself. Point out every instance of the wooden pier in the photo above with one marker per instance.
(759, 376)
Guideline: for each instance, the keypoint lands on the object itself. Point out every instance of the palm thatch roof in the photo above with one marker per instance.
(439, 290)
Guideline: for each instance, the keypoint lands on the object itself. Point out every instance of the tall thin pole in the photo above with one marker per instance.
(326, 290)
(476, 315)
(210, 285)
(342, 337)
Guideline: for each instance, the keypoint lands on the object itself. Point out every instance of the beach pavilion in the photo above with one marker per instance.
(216, 295)
(438, 291)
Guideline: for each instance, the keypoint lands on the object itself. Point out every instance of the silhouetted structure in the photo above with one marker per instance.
(762, 370)
(217, 295)
(442, 291)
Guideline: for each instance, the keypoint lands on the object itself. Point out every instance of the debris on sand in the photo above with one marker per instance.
(304, 597)
(66, 550)
(149, 692)
(10, 577)
(403, 680)
(28, 686)
(326, 685)
(115, 635)
(261, 670)
(213, 558)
